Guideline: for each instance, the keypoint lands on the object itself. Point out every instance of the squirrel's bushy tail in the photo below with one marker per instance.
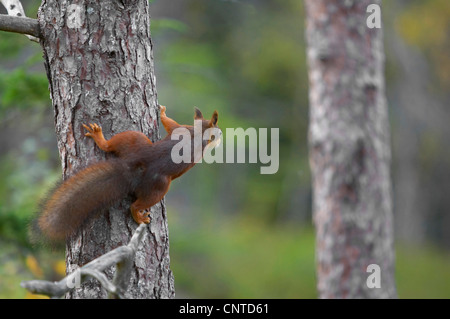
(77, 199)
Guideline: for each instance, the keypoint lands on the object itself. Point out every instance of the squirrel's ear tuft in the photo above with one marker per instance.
(198, 114)
(214, 118)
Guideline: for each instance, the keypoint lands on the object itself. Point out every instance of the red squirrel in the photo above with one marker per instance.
(141, 168)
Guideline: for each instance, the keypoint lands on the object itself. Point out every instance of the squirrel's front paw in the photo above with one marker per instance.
(94, 129)
(162, 108)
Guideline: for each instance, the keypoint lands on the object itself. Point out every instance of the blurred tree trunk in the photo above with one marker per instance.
(99, 62)
(349, 150)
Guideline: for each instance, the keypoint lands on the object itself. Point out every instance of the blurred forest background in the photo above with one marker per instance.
(233, 232)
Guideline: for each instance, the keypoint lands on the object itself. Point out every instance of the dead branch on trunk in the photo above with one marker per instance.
(121, 257)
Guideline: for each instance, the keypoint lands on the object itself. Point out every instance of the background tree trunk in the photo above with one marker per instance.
(349, 150)
(99, 62)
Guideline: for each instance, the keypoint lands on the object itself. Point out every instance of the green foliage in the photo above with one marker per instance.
(19, 264)
(24, 183)
(12, 271)
(426, 24)
(422, 272)
(23, 82)
(27, 171)
(10, 45)
(242, 258)
(20, 89)
(160, 25)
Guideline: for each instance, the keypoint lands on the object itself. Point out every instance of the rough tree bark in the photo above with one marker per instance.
(349, 150)
(99, 62)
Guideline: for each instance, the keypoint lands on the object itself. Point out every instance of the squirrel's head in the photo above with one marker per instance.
(209, 127)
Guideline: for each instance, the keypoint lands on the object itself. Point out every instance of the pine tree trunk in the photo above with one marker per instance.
(349, 150)
(99, 62)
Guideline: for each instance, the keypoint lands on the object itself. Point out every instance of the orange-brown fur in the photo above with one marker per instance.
(142, 168)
